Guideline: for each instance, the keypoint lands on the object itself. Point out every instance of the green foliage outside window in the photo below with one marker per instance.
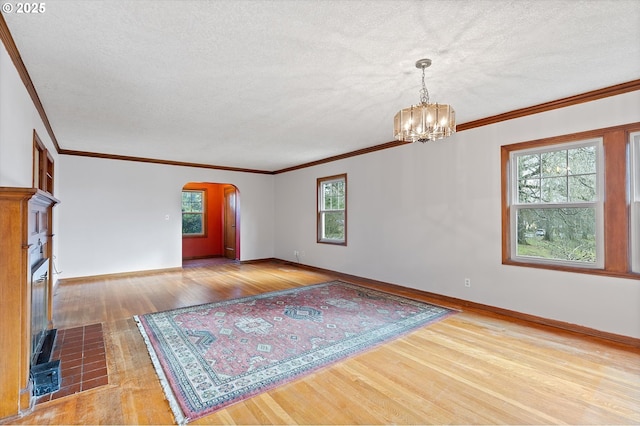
(192, 212)
(556, 195)
(332, 204)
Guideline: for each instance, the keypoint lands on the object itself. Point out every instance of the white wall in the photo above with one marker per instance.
(18, 118)
(427, 216)
(113, 214)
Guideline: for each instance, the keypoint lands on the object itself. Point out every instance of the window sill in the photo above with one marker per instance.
(333, 242)
(591, 271)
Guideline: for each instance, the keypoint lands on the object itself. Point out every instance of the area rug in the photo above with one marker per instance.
(210, 356)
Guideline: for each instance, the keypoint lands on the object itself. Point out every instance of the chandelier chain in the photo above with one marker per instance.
(424, 93)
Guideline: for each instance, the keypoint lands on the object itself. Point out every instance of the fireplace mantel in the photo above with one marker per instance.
(26, 234)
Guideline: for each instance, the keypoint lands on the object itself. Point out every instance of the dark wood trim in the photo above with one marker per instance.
(616, 211)
(157, 161)
(45, 165)
(12, 49)
(350, 154)
(252, 261)
(469, 305)
(505, 200)
(618, 89)
(39, 151)
(208, 256)
(571, 137)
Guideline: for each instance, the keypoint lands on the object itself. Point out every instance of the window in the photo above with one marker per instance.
(634, 141)
(193, 213)
(556, 212)
(565, 202)
(332, 209)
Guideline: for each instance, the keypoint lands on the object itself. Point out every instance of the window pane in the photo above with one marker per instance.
(582, 160)
(582, 188)
(554, 190)
(192, 201)
(554, 163)
(528, 166)
(192, 224)
(567, 234)
(333, 225)
(529, 191)
(333, 194)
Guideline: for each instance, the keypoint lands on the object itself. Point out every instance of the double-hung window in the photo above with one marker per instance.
(634, 142)
(332, 209)
(572, 202)
(193, 213)
(556, 209)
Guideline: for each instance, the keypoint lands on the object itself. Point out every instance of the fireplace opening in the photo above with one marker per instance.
(39, 306)
(44, 372)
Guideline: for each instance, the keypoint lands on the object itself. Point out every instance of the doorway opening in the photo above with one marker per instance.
(210, 222)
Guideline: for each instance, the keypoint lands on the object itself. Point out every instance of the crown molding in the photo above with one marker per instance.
(158, 161)
(618, 89)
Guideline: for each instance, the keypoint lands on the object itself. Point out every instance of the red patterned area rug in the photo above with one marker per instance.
(210, 356)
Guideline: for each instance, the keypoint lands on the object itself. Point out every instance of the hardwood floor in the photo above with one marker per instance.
(471, 368)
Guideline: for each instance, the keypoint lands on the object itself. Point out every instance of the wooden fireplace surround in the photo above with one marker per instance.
(25, 230)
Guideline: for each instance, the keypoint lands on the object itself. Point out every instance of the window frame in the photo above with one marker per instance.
(616, 170)
(597, 204)
(203, 213)
(634, 199)
(320, 212)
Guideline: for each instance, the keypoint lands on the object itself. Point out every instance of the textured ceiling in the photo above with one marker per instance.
(270, 84)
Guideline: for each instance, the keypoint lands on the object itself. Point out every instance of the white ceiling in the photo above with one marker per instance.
(269, 84)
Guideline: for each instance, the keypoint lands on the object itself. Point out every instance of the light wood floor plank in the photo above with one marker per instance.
(473, 367)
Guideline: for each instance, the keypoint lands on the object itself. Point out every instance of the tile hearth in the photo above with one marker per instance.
(83, 361)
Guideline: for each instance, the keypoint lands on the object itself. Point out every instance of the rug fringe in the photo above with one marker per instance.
(178, 415)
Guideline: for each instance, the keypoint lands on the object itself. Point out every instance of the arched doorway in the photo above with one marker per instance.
(210, 221)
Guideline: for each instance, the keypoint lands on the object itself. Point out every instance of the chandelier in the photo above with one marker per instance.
(424, 122)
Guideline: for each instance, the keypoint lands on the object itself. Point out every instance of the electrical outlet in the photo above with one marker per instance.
(467, 282)
(296, 253)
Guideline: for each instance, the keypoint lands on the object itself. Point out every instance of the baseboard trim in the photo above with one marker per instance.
(75, 280)
(208, 256)
(469, 305)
